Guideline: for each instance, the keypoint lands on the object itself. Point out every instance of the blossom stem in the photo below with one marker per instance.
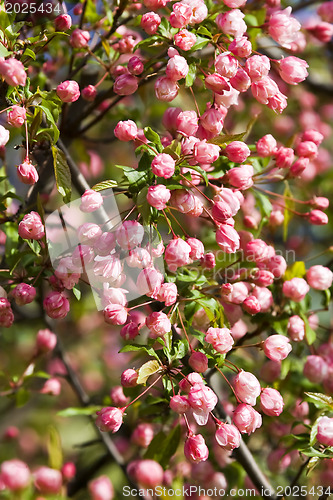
(183, 326)
(168, 222)
(143, 393)
(225, 378)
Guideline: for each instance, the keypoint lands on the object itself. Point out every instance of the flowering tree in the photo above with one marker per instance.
(163, 276)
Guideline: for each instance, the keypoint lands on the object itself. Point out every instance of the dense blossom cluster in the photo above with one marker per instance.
(215, 200)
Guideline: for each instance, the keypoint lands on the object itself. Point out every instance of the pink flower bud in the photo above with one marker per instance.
(227, 238)
(186, 384)
(322, 31)
(15, 475)
(23, 294)
(13, 71)
(163, 165)
(143, 435)
(63, 22)
(220, 338)
(129, 378)
(79, 38)
(48, 481)
(109, 419)
(169, 119)
(165, 89)
(158, 323)
(277, 265)
(205, 153)
(264, 89)
(89, 93)
(266, 146)
(115, 314)
(247, 387)
(257, 67)
(101, 488)
(90, 201)
(226, 65)
(149, 282)
(148, 473)
(241, 47)
(217, 83)
(158, 196)
(319, 277)
(317, 218)
(197, 248)
(271, 402)
(150, 22)
(212, 120)
(27, 173)
(129, 234)
(320, 202)
(228, 436)
(181, 15)
(261, 277)
(284, 157)
(295, 289)
(232, 23)
(325, 431)
(195, 449)
(202, 401)
(296, 328)
(241, 81)
(277, 347)
(68, 471)
(312, 136)
(246, 419)
(16, 116)
(293, 70)
(56, 305)
(325, 11)
(283, 28)
(237, 151)
(125, 84)
(187, 123)
(179, 404)
(315, 369)
(177, 68)
(118, 397)
(270, 371)
(307, 149)
(299, 166)
(185, 40)
(241, 177)
(4, 136)
(198, 361)
(135, 66)
(89, 233)
(251, 305)
(177, 254)
(68, 91)
(45, 340)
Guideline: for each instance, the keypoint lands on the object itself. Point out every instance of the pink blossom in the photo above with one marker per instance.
(52, 387)
(325, 431)
(296, 328)
(89, 232)
(241, 47)
(56, 305)
(129, 378)
(15, 474)
(180, 15)
(197, 248)
(187, 383)
(317, 217)
(202, 401)
(234, 4)
(232, 23)
(185, 40)
(13, 71)
(63, 22)
(4, 136)
(150, 22)
(117, 396)
(277, 347)
(295, 289)
(264, 89)
(68, 471)
(179, 404)
(198, 361)
(237, 151)
(257, 67)
(16, 116)
(226, 65)
(129, 331)
(47, 480)
(89, 93)
(220, 339)
(283, 28)
(271, 402)
(126, 130)
(101, 488)
(251, 305)
(115, 314)
(247, 387)
(205, 153)
(143, 434)
(168, 293)
(177, 68)
(313, 136)
(187, 123)
(246, 419)
(149, 282)
(322, 31)
(307, 149)
(199, 10)
(217, 83)
(264, 296)
(195, 449)
(163, 165)
(45, 340)
(130, 234)
(166, 89)
(325, 11)
(228, 436)
(23, 294)
(227, 238)
(315, 369)
(79, 38)
(319, 277)
(109, 419)
(68, 91)
(158, 196)
(90, 201)
(293, 70)
(148, 473)
(125, 84)
(241, 177)
(241, 81)
(212, 120)
(177, 254)
(158, 323)
(266, 146)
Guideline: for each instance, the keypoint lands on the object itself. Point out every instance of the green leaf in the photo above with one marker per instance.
(287, 214)
(310, 334)
(22, 396)
(77, 292)
(4, 52)
(223, 140)
(313, 433)
(312, 464)
(164, 27)
(54, 448)
(30, 53)
(147, 370)
(297, 270)
(202, 172)
(153, 137)
(203, 31)
(200, 43)
(164, 446)
(105, 185)
(264, 204)
(136, 348)
(321, 401)
(51, 111)
(62, 174)
(191, 75)
(74, 412)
